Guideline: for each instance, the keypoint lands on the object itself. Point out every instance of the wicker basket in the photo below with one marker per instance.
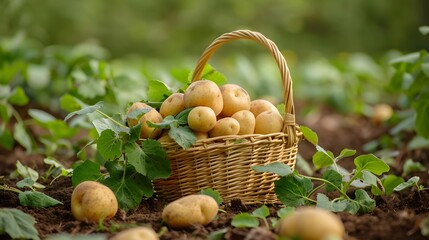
(224, 163)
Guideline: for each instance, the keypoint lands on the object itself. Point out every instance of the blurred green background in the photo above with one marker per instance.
(174, 29)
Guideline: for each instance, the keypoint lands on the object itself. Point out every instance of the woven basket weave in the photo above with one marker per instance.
(224, 163)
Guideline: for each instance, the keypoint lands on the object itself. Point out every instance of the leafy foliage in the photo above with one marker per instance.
(17, 224)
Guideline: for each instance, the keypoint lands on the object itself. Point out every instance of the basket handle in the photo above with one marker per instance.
(289, 126)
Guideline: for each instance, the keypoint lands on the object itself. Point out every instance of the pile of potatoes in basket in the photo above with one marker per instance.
(217, 111)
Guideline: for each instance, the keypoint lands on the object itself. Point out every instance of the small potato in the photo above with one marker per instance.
(268, 122)
(311, 223)
(381, 112)
(261, 105)
(165, 138)
(173, 105)
(190, 210)
(153, 115)
(201, 135)
(235, 99)
(93, 201)
(246, 119)
(201, 119)
(204, 93)
(225, 126)
(137, 233)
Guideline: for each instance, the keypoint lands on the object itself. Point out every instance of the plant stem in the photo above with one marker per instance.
(111, 119)
(12, 189)
(327, 182)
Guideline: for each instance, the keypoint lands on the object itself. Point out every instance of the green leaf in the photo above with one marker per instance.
(138, 113)
(411, 166)
(157, 164)
(129, 190)
(261, 212)
(87, 171)
(372, 180)
(18, 97)
(333, 206)
(36, 199)
(370, 163)
(212, 74)
(409, 183)
(422, 118)
(157, 91)
(285, 211)
(310, 135)
(245, 220)
(362, 203)
(425, 69)
(26, 182)
(408, 58)
(323, 158)
(183, 136)
(345, 153)
(6, 139)
(135, 132)
(293, 190)
(17, 224)
(333, 177)
(41, 116)
(278, 168)
(85, 110)
(70, 103)
(165, 124)
(26, 172)
(92, 88)
(212, 193)
(390, 182)
(102, 124)
(22, 137)
(67, 236)
(182, 117)
(217, 235)
(109, 145)
(424, 30)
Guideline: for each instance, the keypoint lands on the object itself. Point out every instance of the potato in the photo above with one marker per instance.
(201, 119)
(246, 119)
(190, 210)
(165, 138)
(261, 105)
(173, 105)
(225, 126)
(381, 113)
(153, 115)
(311, 223)
(235, 99)
(137, 233)
(204, 93)
(268, 122)
(93, 201)
(201, 135)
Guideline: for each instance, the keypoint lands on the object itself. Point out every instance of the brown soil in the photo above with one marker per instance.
(396, 216)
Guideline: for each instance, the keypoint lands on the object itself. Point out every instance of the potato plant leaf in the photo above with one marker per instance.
(17, 224)
(310, 135)
(261, 212)
(109, 145)
(102, 124)
(345, 153)
(293, 190)
(85, 110)
(212, 74)
(70, 103)
(245, 220)
(157, 91)
(183, 136)
(333, 206)
(87, 171)
(155, 157)
(285, 211)
(135, 133)
(217, 235)
(361, 204)
(323, 158)
(278, 168)
(333, 177)
(26, 182)
(390, 182)
(67, 236)
(36, 199)
(21, 136)
(409, 183)
(6, 139)
(212, 193)
(370, 163)
(18, 97)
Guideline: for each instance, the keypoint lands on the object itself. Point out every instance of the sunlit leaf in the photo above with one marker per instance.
(85, 110)
(278, 168)
(245, 220)
(22, 137)
(310, 135)
(409, 183)
(18, 97)
(109, 145)
(157, 91)
(371, 163)
(87, 171)
(333, 206)
(36, 199)
(17, 224)
(212, 193)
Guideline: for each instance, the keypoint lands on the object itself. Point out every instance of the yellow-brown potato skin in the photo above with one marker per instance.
(204, 93)
(153, 115)
(235, 98)
(190, 210)
(225, 126)
(247, 121)
(137, 233)
(261, 105)
(201, 119)
(92, 201)
(268, 122)
(311, 223)
(173, 105)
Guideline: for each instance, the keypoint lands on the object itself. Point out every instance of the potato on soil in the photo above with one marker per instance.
(204, 93)
(153, 115)
(261, 105)
(93, 201)
(201, 119)
(190, 210)
(137, 233)
(246, 119)
(173, 105)
(311, 223)
(235, 98)
(225, 126)
(268, 122)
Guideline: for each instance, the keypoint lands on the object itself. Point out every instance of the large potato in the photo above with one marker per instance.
(225, 126)
(93, 201)
(311, 223)
(137, 233)
(204, 93)
(246, 119)
(201, 119)
(261, 105)
(173, 105)
(153, 115)
(268, 122)
(235, 99)
(190, 210)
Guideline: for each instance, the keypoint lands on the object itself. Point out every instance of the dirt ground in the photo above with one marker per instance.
(396, 216)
